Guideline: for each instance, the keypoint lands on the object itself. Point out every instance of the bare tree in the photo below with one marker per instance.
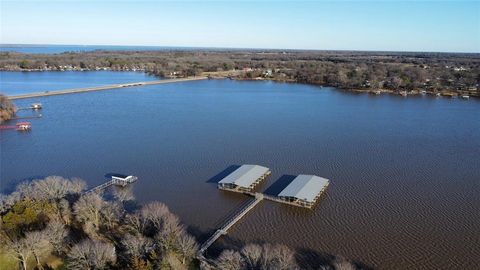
(91, 254)
(135, 223)
(170, 229)
(229, 260)
(204, 265)
(342, 264)
(88, 210)
(253, 255)
(55, 233)
(155, 213)
(267, 256)
(111, 213)
(7, 109)
(123, 193)
(187, 246)
(39, 246)
(18, 248)
(137, 246)
(52, 187)
(5, 203)
(26, 191)
(36, 243)
(77, 185)
(283, 258)
(64, 211)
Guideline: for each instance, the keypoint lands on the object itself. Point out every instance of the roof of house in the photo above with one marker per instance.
(245, 175)
(305, 187)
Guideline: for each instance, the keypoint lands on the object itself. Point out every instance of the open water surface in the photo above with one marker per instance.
(405, 172)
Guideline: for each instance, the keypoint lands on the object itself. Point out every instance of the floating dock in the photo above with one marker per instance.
(36, 106)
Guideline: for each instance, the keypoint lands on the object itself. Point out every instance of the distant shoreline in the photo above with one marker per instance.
(402, 73)
(221, 76)
(354, 90)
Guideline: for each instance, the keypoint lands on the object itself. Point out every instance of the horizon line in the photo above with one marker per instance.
(235, 48)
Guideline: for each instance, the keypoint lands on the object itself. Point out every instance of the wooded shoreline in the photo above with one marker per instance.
(410, 72)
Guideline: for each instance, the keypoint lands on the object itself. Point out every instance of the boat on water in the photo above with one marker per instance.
(465, 96)
(23, 126)
(36, 106)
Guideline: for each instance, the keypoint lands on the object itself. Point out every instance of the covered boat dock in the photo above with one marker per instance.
(304, 190)
(244, 179)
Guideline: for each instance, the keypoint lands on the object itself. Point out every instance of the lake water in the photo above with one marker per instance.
(14, 83)
(405, 172)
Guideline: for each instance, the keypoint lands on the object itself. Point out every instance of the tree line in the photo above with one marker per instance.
(7, 109)
(50, 218)
(50, 224)
(395, 71)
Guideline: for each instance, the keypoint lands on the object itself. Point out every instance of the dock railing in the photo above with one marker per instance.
(114, 181)
(232, 221)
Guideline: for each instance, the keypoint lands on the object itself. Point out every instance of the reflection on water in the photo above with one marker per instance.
(404, 171)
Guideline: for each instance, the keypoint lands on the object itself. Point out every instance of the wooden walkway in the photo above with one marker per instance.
(105, 87)
(265, 196)
(258, 197)
(114, 181)
(224, 229)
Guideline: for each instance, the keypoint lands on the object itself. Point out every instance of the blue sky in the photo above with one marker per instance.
(452, 26)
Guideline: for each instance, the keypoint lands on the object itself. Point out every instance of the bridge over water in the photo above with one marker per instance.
(104, 87)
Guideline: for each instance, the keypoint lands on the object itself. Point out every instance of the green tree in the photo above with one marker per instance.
(25, 64)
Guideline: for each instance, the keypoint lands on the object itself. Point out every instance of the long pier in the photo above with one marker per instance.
(104, 87)
(114, 181)
(224, 229)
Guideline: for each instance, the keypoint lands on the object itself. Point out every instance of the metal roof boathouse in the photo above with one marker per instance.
(244, 179)
(304, 190)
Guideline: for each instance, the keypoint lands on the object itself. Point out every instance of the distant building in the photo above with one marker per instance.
(268, 73)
